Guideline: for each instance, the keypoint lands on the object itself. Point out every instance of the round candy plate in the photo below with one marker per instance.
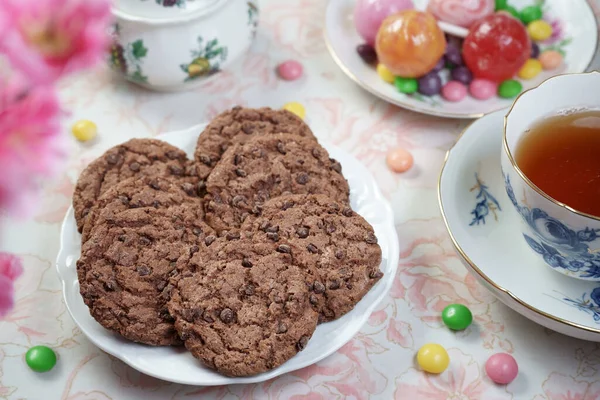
(175, 364)
(484, 228)
(575, 35)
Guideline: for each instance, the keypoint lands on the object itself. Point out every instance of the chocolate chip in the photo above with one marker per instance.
(188, 188)
(121, 238)
(281, 148)
(318, 287)
(281, 327)
(264, 225)
(237, 200)
(339, 254)
(240, 172)
(124, 200)
(249, 289)
(371, 238)
(226, 315)
(135, 167)
(284, 248)
(237, 159)
(232, 235)
(243, 217)
(313, 300)
(201, 188)
(166, 293)
(334, 284)
(273, 229)
(302, 232)
(204, 159)
(194, 249)
(172, 154)
(375, 274)
(145, 241)
(302, 343)
(330, 228)
(156, 204)
(197, 231)
(302, 178)
(209, 240)
(161, 285)
(113, 158)
(207, 317)
(176, 170)
(287, 204)
(312, 248)
(349, 285)
(257, 209)
(316, 153)
(347, 212)
(184, 335)
(246, 263)
(273, 236)
(110, 285)
(155, 185)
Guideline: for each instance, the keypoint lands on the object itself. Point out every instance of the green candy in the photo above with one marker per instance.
(530, 14)
(406, 85)
(40, 358)
(457, 317)
(501, 5)
(509, 89)
(513, 11)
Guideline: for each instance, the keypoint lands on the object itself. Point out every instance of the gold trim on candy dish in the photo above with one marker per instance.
(475, 268)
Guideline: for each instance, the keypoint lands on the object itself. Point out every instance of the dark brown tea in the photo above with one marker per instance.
(561, 156)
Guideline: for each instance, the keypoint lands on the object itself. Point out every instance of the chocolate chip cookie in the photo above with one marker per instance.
(243, 307)
(144, 191)
(133, 158)
(125, 268)
(335, 246)
(267, 167)
(237, 126)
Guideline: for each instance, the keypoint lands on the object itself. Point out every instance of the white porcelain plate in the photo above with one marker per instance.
(176, 364)
(576, 35)
(484, 228)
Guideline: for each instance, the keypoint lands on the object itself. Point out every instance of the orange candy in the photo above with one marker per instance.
(410, 43)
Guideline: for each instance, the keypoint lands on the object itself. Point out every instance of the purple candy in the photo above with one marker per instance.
(453, 56)
(462, 74)
(535, 50)
(430, 84)
(367, 53)
(439, 66)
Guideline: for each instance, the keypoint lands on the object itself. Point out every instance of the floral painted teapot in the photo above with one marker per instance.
(171, 45)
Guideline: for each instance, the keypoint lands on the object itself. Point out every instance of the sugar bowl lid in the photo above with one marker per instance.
(165, 9)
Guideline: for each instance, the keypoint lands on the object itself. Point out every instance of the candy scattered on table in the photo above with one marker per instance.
(454, 91)
(410, 43)
(84, 130)
(457, 317)
(430, 84)
(369, 14)
(295, 108)
(482, 89)
(550, 59)
(367, 53)
(406, 85)
(433, 358)
(385, 73)
(399, 160)
(530, 69)
(460, 12)
(290, 70)
(502, 368)
(40, 358)
(509, 88)
(539, 30)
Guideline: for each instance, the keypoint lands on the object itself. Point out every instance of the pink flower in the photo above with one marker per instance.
(46, 39)
(30, 141)
(562, 387)
(10, 270)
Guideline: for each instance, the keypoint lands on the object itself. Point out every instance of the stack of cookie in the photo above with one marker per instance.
(238, 254)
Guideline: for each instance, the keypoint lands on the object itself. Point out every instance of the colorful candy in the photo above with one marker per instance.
(462, 75)
(535, 50)
(530, 14)
(367, 53)
(539, 30)
(453, 56)
(399, 160)
(84, 130)
(290, 70)
(457, 317)
(410, 43)
(430, 84)
(461, 12)
(454, 91)
(502, 368)
(530, 69)
(384, 73)
(482, 89)
(501, 4)
(550, 59)
(433, 358)
(406, 85)
(509, 89)
(295, 108)
(40, 358)
(496, 47)
(369, 14)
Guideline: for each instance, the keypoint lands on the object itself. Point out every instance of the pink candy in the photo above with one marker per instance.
(369, 14)
(502, 368)
(399, 160)
(482, 89)
(454, 91)
(461, 12)
(290, 70)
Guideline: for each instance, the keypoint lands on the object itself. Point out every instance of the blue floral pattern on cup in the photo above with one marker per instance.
(561, 247)
(486, 203)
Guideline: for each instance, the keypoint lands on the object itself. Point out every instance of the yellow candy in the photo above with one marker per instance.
(550, 59)
(530, 69)
(433, 358)
(84, 130)
(295, 108)
(539, 30)
(385, 73)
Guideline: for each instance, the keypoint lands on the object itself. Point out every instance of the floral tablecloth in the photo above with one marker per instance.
(379, 362)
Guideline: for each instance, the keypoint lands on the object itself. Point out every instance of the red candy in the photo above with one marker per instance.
(496, 47)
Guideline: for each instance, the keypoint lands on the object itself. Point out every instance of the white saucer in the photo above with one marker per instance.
(578, 41)
(175, 364)
(484, 228)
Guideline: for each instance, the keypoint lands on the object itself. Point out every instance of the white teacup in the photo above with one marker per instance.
(567, 240)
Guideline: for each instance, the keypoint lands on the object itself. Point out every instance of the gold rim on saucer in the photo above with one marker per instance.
(478, 271)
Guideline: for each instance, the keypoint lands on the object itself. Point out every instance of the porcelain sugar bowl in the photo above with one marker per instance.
(171, 45)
